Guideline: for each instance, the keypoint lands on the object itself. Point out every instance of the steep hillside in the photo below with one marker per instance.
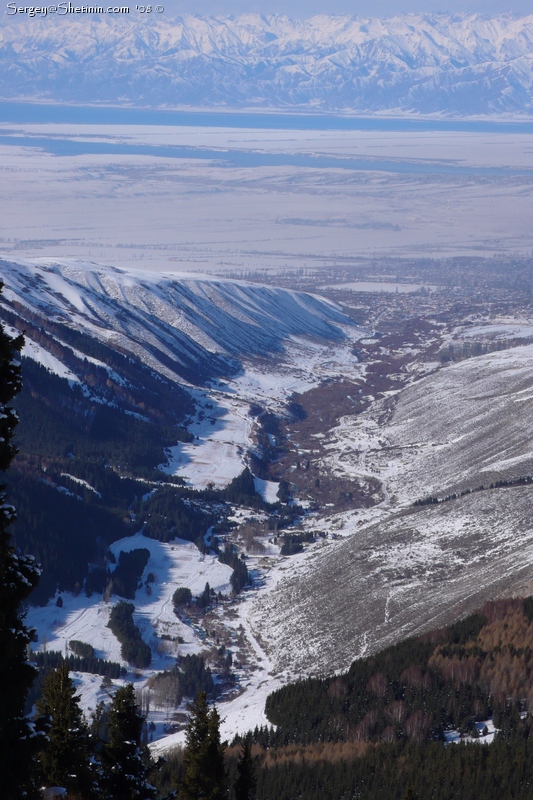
(462, 427)
(419, 689)
(184, 327)
(460, 435)
(423, 63)
(118, 397)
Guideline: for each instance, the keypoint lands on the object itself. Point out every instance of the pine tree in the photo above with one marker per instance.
(246, 779)
(205, 775)
(64, 759)
(126, 761)
(215, 757)
(19, 575)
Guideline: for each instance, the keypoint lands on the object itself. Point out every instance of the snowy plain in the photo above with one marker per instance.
(413, 194)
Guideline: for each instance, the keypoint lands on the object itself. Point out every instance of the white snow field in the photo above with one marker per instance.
(219, 451)
(178, 563)
(85, 619)
(267, 489)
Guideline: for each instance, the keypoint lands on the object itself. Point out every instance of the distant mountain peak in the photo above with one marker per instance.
(460, 64)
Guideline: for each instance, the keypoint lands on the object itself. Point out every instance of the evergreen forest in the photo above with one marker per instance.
(93, 468)
(379, 730)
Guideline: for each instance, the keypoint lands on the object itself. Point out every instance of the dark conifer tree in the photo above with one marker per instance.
(64, 759)
(246, 779)
(18, 577)
(215, 757)
(205, 775)
(126, 761)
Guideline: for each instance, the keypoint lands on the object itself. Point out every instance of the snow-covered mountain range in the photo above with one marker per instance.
(411, 63)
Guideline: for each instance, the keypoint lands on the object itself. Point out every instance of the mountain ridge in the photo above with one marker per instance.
(454, 65)
(186, 327)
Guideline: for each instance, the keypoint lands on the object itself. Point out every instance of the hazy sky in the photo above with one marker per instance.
(374, 8)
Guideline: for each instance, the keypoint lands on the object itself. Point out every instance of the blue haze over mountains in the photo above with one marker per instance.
(450, 65)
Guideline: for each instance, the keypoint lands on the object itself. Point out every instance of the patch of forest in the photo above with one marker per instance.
(128, 571)
(134, 649)
(239, 577)
(453, 352)
(169, 512)
(63, 533)
(59, 420)
(50, 659)
(433, 500)
(398, 771)
(363, 771)
(187, 678)
(413, 691)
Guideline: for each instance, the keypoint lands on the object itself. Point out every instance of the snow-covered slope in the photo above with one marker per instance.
(404, 569)
(411, 573)
(464, 426)
(183, 326)
(425, 63)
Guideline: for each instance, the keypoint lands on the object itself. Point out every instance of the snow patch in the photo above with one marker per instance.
(267, 489)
